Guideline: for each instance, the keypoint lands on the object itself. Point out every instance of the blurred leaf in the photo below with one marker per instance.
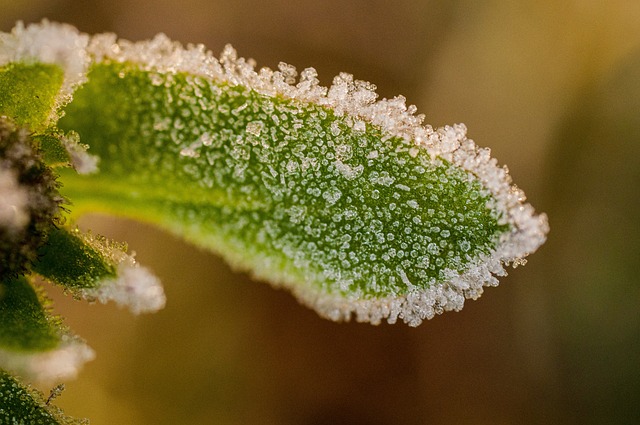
(24, 405)
(26, 325)
(594, 256)
(33, 343)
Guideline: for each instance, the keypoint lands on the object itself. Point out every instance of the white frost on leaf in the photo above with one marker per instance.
(62, 363)
(81, 161)
(358, 103)
(134, 288)
(51, 43)
(353, 98)
(13, 202)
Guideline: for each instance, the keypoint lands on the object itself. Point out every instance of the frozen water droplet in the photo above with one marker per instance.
(255, 128)
(465, 245)
(359, 125)
(189, 152)
(206, 139)
(332, 195)
(347, 171)
(382, 178)
(343, 152)
(335, 128)
(296, 214)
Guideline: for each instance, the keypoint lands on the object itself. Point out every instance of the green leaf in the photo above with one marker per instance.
(28, 92)
(348, 215)
(33, 343)
(352, 203)
(68, 260)
(26, 325)
(24, 405)
(95, 268)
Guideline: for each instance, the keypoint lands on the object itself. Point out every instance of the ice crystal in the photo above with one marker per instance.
(13, 201)
(134, 287)
(62, 362)
(81, 161)
(49, 43)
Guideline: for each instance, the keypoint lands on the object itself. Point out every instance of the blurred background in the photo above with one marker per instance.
(552, 86)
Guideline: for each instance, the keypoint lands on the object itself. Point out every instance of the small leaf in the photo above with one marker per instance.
(25, 324)
(24, 405)
(94, 268)
(68, 260)
(33, 343)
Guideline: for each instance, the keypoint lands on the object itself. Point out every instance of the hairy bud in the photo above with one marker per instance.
(29, 199)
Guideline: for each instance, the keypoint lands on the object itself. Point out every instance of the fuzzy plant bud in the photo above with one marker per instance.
(29, 200)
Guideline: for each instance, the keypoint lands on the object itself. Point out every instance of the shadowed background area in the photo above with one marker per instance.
(553, 87)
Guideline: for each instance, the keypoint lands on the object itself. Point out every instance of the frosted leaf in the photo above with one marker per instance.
(262, 191)
(61, 363)
(134, 288)
(49, 43)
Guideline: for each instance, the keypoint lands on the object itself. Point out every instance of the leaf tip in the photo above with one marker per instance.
(133, 287)
(60, 363)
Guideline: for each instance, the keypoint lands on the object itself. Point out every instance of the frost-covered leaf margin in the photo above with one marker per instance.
(346, 97)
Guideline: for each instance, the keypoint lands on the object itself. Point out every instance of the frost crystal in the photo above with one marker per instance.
(63, 362)
(81, 161)
(134, 287)
(52, 43)
(13, 201)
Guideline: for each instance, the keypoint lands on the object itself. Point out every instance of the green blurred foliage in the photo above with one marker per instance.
(593, 260)
(551, 86)
(26, 326)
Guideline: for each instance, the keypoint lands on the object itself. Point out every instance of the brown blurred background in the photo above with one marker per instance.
(552, 86)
